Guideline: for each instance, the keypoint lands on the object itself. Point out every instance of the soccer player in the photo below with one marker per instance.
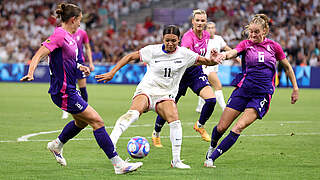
(81, 38)
(62, 50)
(254, 86)
(196, 39)
(166, 64)
(215, 42)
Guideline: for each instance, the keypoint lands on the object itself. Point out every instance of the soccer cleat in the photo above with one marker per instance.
(179, 164)
(125, 167)
(209, 163)
(65, 115)
(205, 136)
(156, 141)
(56, 150)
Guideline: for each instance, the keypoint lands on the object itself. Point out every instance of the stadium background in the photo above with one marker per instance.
(118, 27)
(284, 145)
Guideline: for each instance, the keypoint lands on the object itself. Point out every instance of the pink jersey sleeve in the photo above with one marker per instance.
(54, 41)
(279, 52)
(241, 46)
(85, 37)
(186, 41)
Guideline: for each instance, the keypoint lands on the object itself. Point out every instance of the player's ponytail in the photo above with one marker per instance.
(66, 11)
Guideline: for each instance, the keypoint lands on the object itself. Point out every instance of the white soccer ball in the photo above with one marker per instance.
(138, 147)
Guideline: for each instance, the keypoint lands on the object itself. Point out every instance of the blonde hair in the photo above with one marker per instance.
(260, 19)
(198, 11)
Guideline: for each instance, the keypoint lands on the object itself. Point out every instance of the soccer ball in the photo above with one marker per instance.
(138, 147)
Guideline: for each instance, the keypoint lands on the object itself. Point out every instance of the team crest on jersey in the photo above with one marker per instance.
(78, 38)
(48, 41)
(197, 45)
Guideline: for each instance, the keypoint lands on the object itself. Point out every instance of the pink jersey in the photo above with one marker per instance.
(63, 59)
(259, 64)
(191, 41)
(81, 38)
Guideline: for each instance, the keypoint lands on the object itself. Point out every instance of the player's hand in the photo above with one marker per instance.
(27, 78)
(91, 67)
(85, 69)
(294, 96)
(216, 58)
(104, 77)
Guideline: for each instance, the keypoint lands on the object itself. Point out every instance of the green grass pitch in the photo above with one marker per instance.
(284, 145)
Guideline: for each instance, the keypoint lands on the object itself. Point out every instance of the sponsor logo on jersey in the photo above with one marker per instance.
(177, 61)
(268, 48)
(197, 45)
(156, 61)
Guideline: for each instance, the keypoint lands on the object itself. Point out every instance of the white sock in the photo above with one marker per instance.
(200, 103)
(155, 133)
(176, 139)
(220, 99)
(116, 160)
(199, 125)
(122, 124)
(60, 144)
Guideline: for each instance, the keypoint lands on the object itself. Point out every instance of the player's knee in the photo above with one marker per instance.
(80, 124)
(238, 128)
(221, 128)
(171, 118)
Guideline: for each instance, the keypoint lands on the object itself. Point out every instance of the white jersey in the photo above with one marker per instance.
(164, 70)
(216, 43)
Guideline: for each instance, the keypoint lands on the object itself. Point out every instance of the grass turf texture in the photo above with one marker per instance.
(284, 145)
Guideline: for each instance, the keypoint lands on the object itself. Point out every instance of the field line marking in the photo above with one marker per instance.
(26, 137)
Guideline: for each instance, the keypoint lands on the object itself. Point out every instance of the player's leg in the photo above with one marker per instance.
(168, 110)
(91, 117)
(160, 121)
(247, 118)
(210, 101)
(140, 104)
(82, 84)
(216, 84)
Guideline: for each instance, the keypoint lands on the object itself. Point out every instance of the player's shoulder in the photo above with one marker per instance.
(60, 30)
(206, 34)
(271, 42)
(188, 34)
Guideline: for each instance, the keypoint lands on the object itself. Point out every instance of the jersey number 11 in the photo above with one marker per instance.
(167, 72)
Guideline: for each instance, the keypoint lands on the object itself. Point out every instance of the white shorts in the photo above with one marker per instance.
(154, 99)
(208, 69)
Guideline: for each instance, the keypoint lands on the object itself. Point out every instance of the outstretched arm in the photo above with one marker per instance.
(292, 77)
(123, 61)
(42, 52)
(89, 54)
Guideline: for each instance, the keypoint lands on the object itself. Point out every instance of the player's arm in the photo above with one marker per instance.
(89, 54)
(230, 54)
(295, 93)
(42, 52)
(237, 59)
(123, 61)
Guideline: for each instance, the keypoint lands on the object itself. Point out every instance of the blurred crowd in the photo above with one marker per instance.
(24, 24)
